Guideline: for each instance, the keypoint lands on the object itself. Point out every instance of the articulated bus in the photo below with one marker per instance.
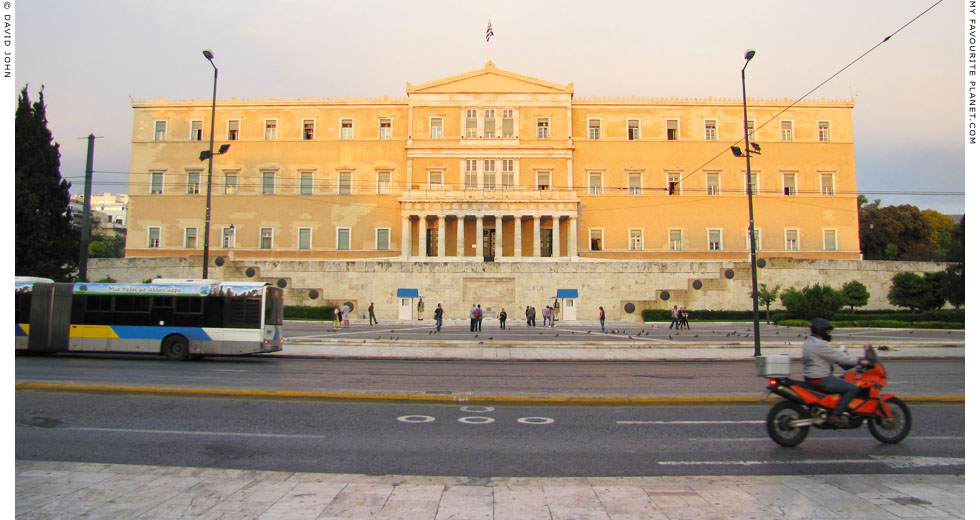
(176, 318)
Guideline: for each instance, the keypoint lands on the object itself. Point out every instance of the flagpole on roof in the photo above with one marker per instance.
(489, 34)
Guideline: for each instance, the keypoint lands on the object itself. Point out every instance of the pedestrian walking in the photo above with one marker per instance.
(336, 317)
(372, 319)
(551, 316)
(346, 315)
(546, 314)
(683, 322)
(527, 314)
(438, 316)
(473, 318)
(674, 317)
(479, 318)
(421, 309)
(602, 318)
(534, 314)
(503, 318)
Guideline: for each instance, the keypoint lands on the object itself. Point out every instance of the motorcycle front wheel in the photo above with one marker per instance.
(777, 423)
(891, 430)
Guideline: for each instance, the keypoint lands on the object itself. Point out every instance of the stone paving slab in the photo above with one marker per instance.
(54, 490)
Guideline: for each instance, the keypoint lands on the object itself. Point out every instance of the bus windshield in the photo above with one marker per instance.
(273, 306)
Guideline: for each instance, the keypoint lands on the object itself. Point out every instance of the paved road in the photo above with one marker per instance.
(472, 441)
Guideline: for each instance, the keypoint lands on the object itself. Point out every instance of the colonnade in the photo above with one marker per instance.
(416, 225)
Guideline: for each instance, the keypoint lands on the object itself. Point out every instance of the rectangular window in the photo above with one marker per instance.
(595, 240)
(156, 183)
(633, 129)
(228, 237)
(758, 240)
(471, 129)
(507, 124)
(543, 125)
(544, 180)
(711, 182)
(265, 238)
(751, 128)
(159, 130)
(830, 240)
(305, 238)
(636, 240)
(595, 183)
(306, 183)
(789, 184)
(635, 183)
(309, 127)
(471, 173)
(153, 237)
(754, 184)
(190, 238)
(231, 183)
(435, 180)
(675, 240)
(268, 183)
(823, 131)
(193, 183)
(384, 129)
(347, 129)
(489, 123)
(714, 240)
(710, 130)
(673, 129)
(595, 130)
(673, 184)
(271, 129)
(343, 239)
(792, 240)
(382, 239)
(507, 174)
(344, 181)
(384, 183)
(197, 130)
(233, 128)
(435, 128)
(489, 174)
(786, 130)
(826, 184)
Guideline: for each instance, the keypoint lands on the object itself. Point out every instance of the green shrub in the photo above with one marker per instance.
(883, 324)
(304, 312)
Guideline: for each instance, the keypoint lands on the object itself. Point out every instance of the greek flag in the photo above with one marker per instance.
(489, 31)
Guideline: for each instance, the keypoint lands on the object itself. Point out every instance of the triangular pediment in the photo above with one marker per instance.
(489, 79)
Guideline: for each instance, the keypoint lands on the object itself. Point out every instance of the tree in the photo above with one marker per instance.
(45, 243)
(940, 231)
(917, 292)
(767, 297)
(855, 293)
(817, 301)
(935, 290)
(901, 232)
(954, 286)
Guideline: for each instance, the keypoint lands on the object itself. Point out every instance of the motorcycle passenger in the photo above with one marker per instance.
(818, 364)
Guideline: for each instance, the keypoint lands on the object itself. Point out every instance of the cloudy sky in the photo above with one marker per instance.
(94, 57)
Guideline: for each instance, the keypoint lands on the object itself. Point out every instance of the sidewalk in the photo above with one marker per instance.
(49, 490)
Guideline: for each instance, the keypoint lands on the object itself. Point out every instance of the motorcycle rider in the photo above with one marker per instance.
(818, 364)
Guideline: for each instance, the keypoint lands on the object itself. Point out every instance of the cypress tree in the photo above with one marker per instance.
(45, 242)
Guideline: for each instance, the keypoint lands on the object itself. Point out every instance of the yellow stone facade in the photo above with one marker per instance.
(492, 165)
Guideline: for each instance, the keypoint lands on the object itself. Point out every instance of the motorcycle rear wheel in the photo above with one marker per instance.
(777, 423)
(891, 430)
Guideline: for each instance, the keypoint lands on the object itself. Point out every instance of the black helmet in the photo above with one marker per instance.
(821, 328)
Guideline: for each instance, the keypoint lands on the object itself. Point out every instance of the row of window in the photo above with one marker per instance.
(383, 239)
(488, 174)
(485, 127)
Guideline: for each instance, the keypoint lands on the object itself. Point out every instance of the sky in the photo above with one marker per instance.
(94, 57)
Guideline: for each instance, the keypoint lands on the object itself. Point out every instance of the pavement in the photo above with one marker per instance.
(55, 490)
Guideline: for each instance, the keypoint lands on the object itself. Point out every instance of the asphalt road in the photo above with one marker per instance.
(472, 441)
(483, 378)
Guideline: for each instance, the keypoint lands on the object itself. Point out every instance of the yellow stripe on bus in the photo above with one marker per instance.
(93, 331)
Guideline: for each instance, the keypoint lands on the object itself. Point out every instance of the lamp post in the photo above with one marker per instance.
(749, 54)
(207, 211)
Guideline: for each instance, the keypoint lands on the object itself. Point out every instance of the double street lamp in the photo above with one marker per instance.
(209, 155)
(749, 54)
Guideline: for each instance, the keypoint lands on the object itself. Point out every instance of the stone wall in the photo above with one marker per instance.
(514, 285)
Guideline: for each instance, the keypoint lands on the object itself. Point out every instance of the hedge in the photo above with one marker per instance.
(883, 324)
(304, 312)
(941, 318)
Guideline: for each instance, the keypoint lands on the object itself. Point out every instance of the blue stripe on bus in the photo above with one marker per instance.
(142, 332)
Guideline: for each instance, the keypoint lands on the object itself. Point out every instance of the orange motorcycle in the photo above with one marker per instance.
(805, 405)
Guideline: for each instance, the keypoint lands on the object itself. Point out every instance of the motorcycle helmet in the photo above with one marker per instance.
(821, 328)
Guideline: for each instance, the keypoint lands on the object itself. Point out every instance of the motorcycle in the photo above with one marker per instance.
(805, 405)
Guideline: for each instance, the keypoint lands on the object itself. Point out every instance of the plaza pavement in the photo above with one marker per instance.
(56, 490)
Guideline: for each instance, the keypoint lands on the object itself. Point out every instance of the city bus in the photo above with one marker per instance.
(176, 318)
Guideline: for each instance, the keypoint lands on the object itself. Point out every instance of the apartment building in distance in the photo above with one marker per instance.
(493, 166)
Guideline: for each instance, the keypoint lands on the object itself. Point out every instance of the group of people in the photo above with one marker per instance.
(341, 316)
(549, 313)
(678, 318)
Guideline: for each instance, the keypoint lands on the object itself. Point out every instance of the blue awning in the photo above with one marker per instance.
(407, 293)
(567, 293)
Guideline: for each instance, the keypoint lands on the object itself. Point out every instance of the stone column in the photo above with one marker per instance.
(518, 245)
(422, 226)
(498, 244)
(442, 236)
(459, 236)
(479, 237)
(572, 237)
(406, 237)
(555, 236)
(537, 236)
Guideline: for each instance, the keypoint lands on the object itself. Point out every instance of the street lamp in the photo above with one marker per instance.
(749, 54)
(210, 157)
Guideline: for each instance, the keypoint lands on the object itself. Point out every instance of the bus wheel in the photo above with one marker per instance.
(175, 348)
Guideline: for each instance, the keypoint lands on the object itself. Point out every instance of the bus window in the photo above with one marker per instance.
(243, 313)
(132, 304)
(98, 303)
(163, 301)
(189, 306)
(273, 307)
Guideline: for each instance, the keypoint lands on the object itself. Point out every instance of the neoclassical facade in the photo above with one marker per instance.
(493, 166)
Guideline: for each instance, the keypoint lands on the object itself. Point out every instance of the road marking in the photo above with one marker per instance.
(477, 409)
(817, 439)
(894, 462)
(476, 420)
(416, 418)
(690, 422)
(182, 432)
(536, 420)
